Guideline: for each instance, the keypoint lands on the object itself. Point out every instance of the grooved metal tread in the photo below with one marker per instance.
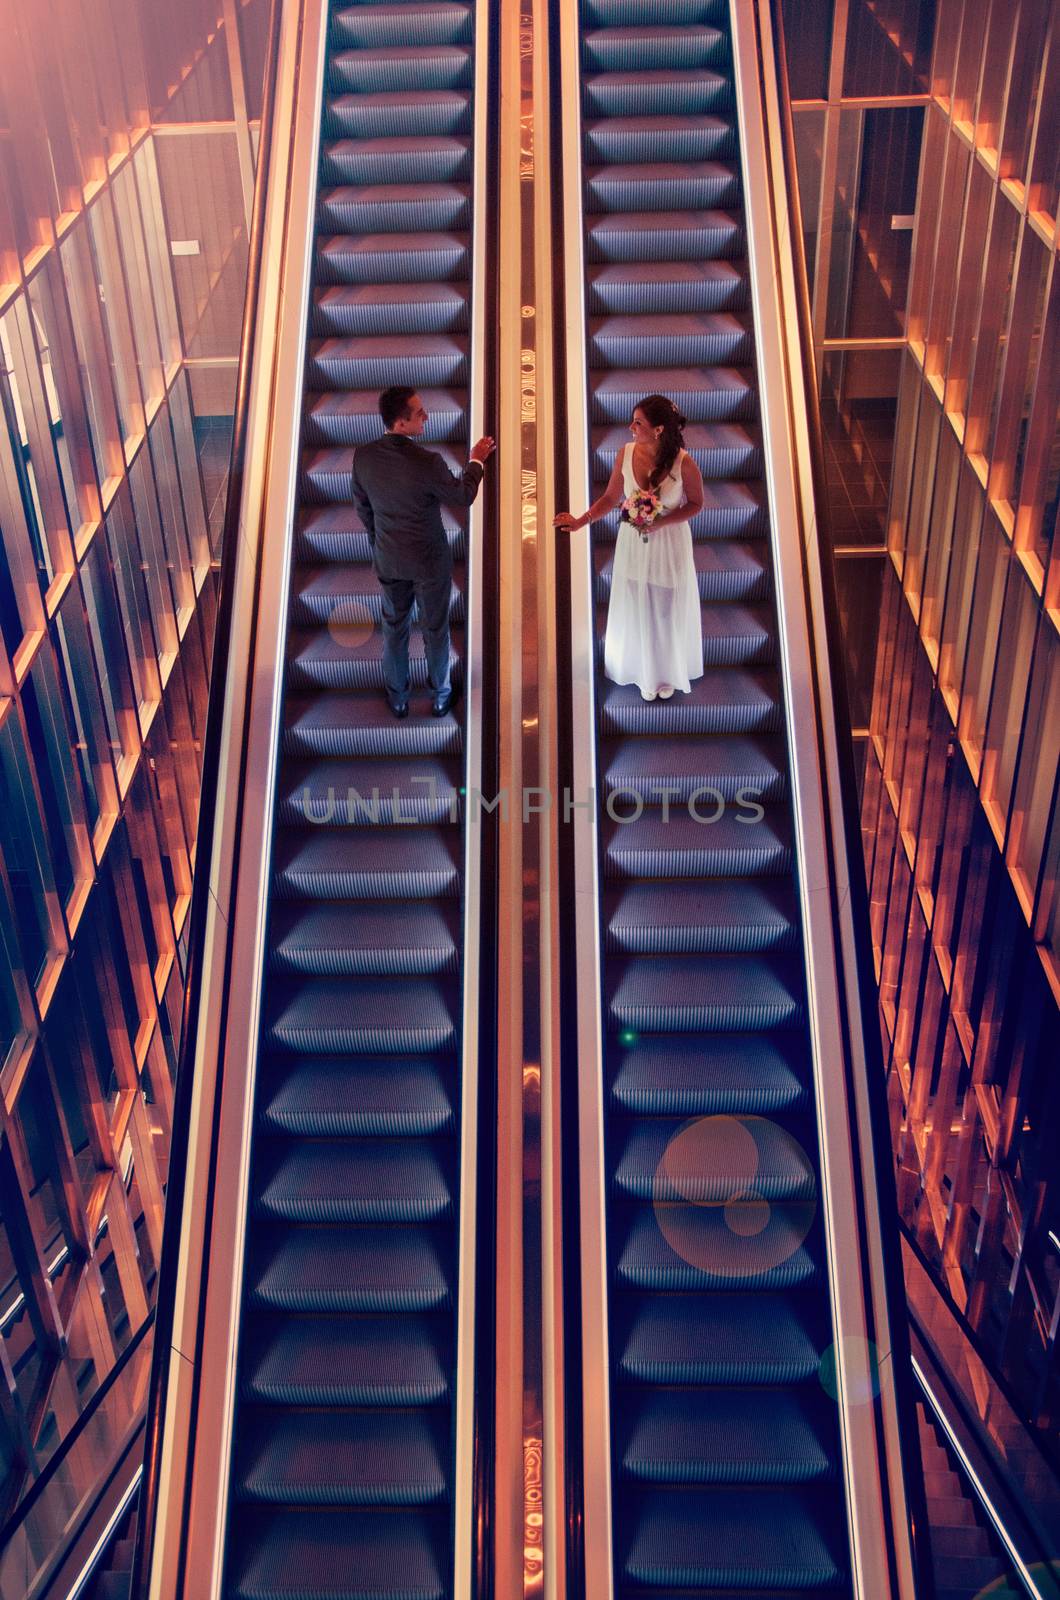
(342, 1482)
(726, 1445)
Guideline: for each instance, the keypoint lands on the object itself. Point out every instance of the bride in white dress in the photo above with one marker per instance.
(654, 632)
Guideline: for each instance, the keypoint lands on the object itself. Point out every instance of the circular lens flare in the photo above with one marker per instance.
(734, 1198)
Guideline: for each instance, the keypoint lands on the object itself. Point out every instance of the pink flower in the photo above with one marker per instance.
(640, 510)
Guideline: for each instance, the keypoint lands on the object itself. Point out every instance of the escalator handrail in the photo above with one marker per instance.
(857, 915)
(165, 1303)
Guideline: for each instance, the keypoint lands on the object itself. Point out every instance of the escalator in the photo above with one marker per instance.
(350, 1443)
(345, 1426)
(726, 1463)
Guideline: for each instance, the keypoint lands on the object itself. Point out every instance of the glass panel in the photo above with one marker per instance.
(157, 244)
(967, 526)
(109, 647)
(1036, 785)
(24, 853)
(66, 406)
(60, 794)
(1018, 628)
(130, 240)
(154, 558)
(84, 291)
(888, 46)
(107, 258)
(859, 393)
(943, 506)
(982, 643)
(174, 530)
(920, 499)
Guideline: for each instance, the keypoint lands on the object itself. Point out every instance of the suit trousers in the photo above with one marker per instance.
(432, 596)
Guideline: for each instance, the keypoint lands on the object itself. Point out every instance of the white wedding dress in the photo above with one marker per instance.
(654, 632)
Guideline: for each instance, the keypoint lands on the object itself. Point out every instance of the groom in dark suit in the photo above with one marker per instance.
(398, 489)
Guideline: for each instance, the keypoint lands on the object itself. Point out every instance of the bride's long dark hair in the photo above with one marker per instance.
(659, 412)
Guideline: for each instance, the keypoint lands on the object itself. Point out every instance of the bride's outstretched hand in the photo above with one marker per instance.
(565, 522)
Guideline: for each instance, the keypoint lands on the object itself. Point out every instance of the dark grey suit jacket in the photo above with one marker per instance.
(398, 489)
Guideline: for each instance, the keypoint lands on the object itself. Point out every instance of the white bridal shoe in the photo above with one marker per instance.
(648, 694)
(665, 690)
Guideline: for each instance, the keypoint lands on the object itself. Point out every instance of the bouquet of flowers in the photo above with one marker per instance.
(640, 510)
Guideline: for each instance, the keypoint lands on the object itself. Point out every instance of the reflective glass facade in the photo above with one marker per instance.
(127, 141)
(928, 177)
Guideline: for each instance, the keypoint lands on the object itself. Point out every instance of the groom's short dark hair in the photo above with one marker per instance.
(394, 404)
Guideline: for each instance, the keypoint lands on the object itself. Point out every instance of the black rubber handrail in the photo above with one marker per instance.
(885, 1200)
(205, 833)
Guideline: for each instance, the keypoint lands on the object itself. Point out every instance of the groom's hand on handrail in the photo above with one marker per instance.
(482, 451)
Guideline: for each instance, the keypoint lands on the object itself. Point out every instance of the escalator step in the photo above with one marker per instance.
(746, 1538)
(365, 1016)
(713, 1160)
(365, 792)
(724, 1436)
(342, 1459)
(422, 158)
(686, 139)
(709, 918)
(347, 658)
(347, 1269)
(701, 1251)
(377, 258)
(370, 863)
(327, 474)
(349, 725)
(709, 1076)
(654, 93)
(726, 569)
(334, 533)
(428, 360)
(757, 1338)
(643, 236)
(390, 939)
(376, 1180)
(635, 288)
(364, 26)
(731, 510)
(671, 13)
(663, 185)
(711, 994)
(729, 700)
(321, 1097)
(679, 847)
(752, 767)
(395, 68)
(675, 49)
(396, 308)
(720, 450)
(350, 416)
(733, 635)
(704, 394)
(413, 113)
(654, 341)
(309, 1555)
(346, 1361)
(337, 594)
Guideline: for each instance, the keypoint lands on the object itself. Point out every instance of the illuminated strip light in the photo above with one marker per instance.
(88, 1570)
(1025, 1575)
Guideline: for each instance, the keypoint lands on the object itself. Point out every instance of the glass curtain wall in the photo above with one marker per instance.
(127, 145)
(928, 176)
